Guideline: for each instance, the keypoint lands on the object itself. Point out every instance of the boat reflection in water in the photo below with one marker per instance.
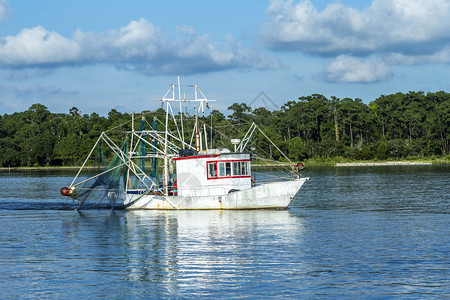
(193, 250)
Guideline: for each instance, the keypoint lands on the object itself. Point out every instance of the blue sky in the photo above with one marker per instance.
(100, 55)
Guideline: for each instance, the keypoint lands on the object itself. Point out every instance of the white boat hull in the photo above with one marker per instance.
(276, 195)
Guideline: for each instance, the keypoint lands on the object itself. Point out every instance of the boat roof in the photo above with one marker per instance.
(210, 155)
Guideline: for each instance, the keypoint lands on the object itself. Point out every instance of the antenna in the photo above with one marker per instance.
(235, 142)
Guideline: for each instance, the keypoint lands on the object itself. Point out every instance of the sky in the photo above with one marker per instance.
(102, 55)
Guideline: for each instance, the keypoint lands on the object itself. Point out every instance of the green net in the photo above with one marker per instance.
(99, 161)
(105, 188)
(142, 152)
(154, 164)
(117, 172)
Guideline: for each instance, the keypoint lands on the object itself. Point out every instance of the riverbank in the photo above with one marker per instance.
(308, 163)
(387, 163)
(342, 162)
(331, 163)
(46, 168)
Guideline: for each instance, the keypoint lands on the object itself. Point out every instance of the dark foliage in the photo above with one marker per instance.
(391, 127)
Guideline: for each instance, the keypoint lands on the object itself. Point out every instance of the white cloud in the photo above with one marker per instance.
(441, 57)
(36, 46)
(410, 27)
(354, 70)
(139, 46)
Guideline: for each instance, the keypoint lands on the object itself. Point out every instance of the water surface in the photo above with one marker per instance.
(352, 232)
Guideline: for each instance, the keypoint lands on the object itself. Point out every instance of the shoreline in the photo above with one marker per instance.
(312, 164)
(384, 164)
(44, 168)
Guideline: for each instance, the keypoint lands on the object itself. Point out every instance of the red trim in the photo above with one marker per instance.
(229, 160)
(217, 169)
(225, 177)
(197, 156)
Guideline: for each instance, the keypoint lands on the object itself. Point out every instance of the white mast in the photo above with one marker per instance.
(181, 111)
(197, 134)
(204, 132)
(166, 162)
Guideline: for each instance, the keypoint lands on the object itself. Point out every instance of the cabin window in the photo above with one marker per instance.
(222, 171)
(212, 170)
(245, 168)
(228, 169)
(236, 168)
(241, 168)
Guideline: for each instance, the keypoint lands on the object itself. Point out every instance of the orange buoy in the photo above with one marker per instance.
(65, 191)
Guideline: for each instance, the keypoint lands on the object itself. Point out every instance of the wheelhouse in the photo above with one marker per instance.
(213, 174)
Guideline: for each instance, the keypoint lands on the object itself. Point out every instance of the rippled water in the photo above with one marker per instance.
(354, 232)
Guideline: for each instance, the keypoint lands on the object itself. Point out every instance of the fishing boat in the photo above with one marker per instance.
(195, 175)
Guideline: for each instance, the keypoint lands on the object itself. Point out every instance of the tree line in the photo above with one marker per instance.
(396, 126)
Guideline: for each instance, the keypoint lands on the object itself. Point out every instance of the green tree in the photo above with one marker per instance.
(382, 151)
(241, 113)
(297, 151)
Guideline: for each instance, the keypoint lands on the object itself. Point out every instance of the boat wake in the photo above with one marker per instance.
(35, 205)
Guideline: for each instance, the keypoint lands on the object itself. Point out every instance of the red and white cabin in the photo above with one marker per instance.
(213, 174)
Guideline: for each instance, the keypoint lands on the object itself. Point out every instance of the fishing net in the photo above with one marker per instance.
(154, 163)
(142, 150)
(105, 188)
(100, 161)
